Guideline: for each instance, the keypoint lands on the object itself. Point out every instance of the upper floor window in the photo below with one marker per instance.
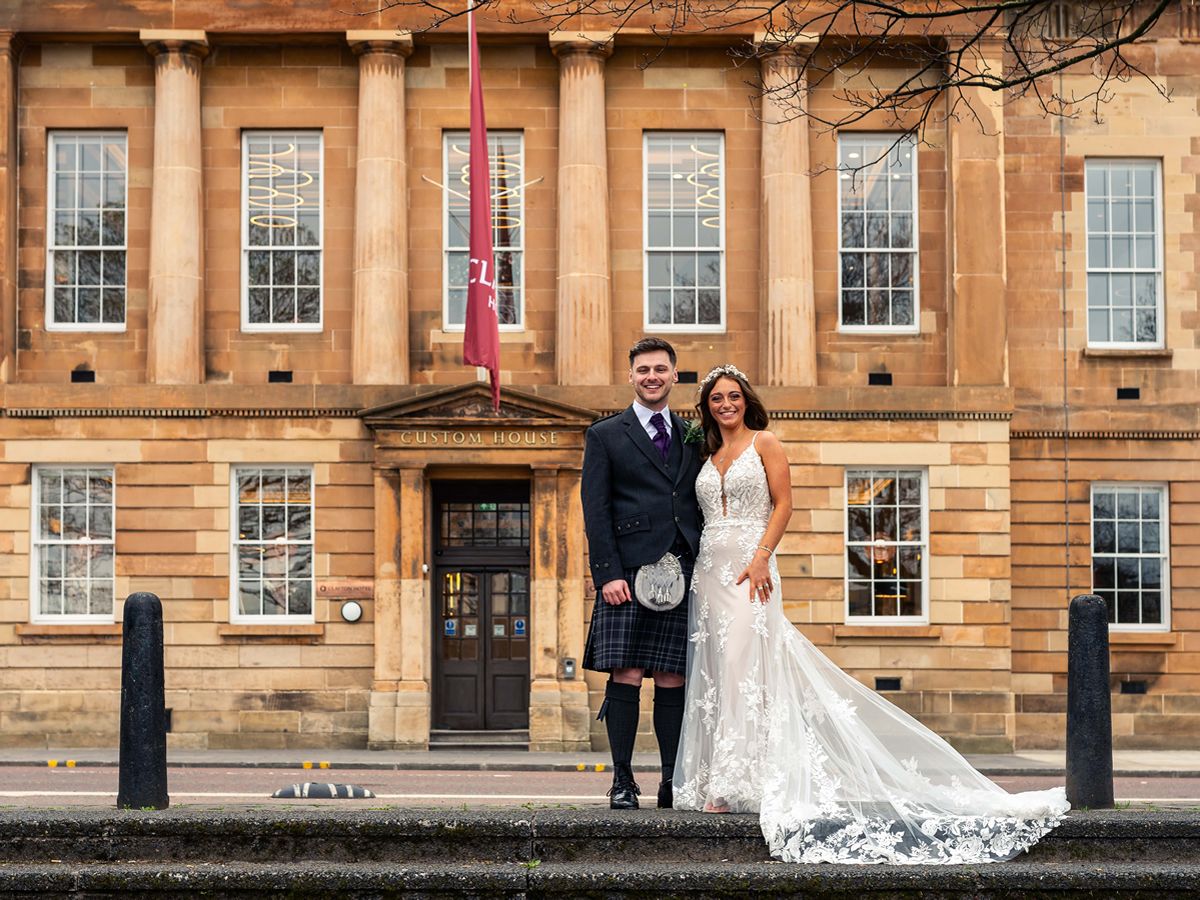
(72, 549)
(886, 547)
(273, 544)
(1130, 555)
(685, 231)
(506, 160)
(85, 249)
(1124, 253)
(282, 200)
(877, 234)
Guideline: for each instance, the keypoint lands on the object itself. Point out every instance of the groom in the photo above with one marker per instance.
(639, 503)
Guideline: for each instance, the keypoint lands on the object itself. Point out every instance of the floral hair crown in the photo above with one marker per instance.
(723, 369)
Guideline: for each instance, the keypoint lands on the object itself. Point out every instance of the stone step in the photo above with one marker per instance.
(662, 881)
(513, 739)
(345, 831)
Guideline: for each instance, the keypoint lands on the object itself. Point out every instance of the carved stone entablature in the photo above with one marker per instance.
(457, 426)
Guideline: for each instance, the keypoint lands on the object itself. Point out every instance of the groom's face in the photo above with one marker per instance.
(652, 375)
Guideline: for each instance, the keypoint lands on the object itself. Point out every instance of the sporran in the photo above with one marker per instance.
(659, 585)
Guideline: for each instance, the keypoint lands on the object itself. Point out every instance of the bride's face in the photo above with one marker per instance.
(727, 403)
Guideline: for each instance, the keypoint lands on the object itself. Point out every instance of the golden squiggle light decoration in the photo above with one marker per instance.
(267, 196)
(711, 198)
(503, 167)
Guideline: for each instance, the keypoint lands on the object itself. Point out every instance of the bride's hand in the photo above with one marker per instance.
(759, 576)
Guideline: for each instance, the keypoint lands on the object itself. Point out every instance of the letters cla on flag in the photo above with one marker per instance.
(481, 342)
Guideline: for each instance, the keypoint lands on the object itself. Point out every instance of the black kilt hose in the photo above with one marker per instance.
(636, 508)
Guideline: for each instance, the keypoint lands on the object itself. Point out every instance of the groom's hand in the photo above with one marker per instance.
(616, 592)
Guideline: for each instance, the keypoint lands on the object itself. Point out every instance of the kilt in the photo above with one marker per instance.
(630, 636)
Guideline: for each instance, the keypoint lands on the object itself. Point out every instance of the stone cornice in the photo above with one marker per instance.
(97, 412)
(1040, 434)
(398, 43)
(774, 46)
(591, 43)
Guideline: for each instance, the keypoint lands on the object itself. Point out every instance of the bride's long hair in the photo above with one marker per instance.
(756, 417)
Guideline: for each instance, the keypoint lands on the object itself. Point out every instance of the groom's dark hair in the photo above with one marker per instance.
(649, 345)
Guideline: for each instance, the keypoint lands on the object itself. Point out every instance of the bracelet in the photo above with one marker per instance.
(768, 549)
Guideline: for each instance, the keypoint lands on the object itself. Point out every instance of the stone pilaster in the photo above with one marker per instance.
(399, 712)
(545, 705)
(573, 694)
(975, 230)
(789, 349)
(175, 341)
(584, 346)
(9, 52)
(380, 342)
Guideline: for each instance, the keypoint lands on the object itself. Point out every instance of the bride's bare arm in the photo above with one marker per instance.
(779, 482)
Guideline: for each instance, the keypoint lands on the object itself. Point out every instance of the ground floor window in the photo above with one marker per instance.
(72, 547)
(273, 544)
(886, 546)
(1130, 554)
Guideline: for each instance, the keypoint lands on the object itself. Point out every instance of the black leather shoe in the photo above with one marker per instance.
(666, 795)
(624, 792)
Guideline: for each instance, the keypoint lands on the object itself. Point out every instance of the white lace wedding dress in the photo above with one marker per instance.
(771, 725)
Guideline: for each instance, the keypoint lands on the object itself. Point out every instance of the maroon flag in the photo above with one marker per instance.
(481, 342)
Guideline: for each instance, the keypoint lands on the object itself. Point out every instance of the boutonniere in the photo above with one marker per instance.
(694, 434)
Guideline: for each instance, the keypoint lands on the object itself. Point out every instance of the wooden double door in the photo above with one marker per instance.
(481, 606)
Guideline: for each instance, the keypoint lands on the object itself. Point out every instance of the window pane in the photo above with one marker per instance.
(684, 212)
(282, 178)
(74, 549)
(507, 172)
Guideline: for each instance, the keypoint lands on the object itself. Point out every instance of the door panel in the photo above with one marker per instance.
(483, 641)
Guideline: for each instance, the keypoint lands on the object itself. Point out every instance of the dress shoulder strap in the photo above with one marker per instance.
(753, 439)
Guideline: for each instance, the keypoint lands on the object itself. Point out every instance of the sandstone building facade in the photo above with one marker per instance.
(232, 263)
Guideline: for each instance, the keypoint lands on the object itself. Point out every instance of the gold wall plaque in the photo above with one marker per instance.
(346, 589)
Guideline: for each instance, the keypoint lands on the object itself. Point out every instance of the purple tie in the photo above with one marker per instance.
(662, 437)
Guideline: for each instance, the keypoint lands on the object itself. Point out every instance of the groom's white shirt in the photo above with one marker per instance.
(644, 415)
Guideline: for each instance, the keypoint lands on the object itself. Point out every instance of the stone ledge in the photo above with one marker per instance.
(272, 634)
(83, 633)
(920, 632)
(1145, 638)
(1127, 353)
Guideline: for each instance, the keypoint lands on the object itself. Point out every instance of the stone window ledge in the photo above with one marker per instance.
(272, 634)
(1128, 353)
(86, 633)
(1144, 638)
(872, 632)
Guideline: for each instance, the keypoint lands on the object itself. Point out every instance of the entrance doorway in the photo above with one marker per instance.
(481, 606)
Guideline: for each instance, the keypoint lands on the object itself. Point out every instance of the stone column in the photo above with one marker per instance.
(9, 53)
(975, 208)
(399, 713)
(175, 341)
(545, 705)
(584, 347)
(576, 719)
(380, 342)
(789, 349)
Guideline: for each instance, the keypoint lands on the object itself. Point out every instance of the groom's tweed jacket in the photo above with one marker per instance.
(634, 503)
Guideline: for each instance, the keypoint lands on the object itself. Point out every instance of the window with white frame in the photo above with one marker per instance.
(85, 248)
(685, 231)
(72, 548)
(1124, 253)
(877, 233)
(886, 574)
(506, 161)
(282, 200)
(1130, 555)
(273, 543)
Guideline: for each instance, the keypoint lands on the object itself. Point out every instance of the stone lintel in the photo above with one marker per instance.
(165, 40)
(381, 41)
(599, 43)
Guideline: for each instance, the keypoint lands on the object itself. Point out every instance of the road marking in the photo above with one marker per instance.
(267, 795)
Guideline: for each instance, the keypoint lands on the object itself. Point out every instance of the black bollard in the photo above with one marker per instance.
(1089, 706)
(142, 782)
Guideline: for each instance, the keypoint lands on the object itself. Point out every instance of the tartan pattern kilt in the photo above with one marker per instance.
(630, 636)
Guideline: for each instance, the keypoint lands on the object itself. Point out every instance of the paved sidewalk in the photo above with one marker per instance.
(1161, 763)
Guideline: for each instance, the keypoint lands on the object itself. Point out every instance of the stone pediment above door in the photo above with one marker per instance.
(470, 406)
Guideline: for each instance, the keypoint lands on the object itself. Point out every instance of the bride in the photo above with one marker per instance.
(835, 772)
